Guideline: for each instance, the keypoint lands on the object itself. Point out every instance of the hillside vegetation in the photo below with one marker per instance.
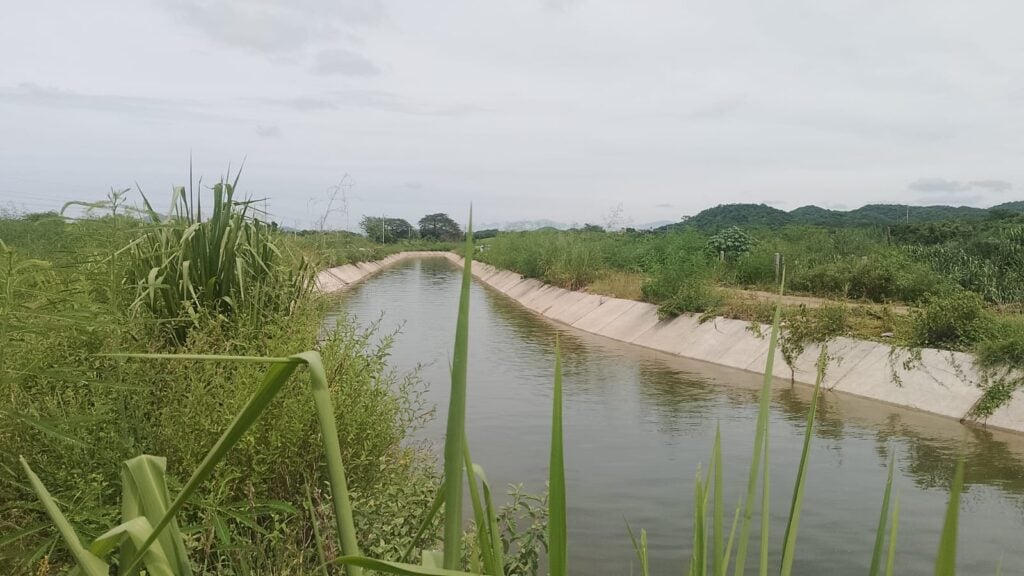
(956, 285)
(726, 215)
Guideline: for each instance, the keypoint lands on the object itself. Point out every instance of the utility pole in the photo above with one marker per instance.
(382, 228)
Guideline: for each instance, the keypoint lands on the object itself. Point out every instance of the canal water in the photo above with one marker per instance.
(639, 424)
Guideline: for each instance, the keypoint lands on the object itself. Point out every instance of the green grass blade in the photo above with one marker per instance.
(483, 526)
(732, 536)
(558, 547)
(890, 564)
(640, 548)
(793, 526)
(876, 556)
(766, 498)
(718, 506)
(87, 561)
(318, 538)
(137, 530)
(144, 494)
(762, 426)
(332, 452)
(699, 563)
(497, 547)
(945, 562)
(455, 435)
(397, 568)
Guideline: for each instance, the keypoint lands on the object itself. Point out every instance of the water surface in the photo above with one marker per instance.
(639, 423)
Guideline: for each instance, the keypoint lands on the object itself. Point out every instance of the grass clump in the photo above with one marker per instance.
(224, 264)
(953, 320)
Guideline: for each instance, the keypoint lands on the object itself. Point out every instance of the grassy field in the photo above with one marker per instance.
(949, 285)
(218, 282)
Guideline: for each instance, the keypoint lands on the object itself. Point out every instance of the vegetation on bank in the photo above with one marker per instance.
(218, 281)
(953, 285)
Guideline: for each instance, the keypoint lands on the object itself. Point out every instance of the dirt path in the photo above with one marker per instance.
(809, 301)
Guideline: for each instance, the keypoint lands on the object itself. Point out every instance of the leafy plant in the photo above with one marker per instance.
(227, 265)
(731, 242)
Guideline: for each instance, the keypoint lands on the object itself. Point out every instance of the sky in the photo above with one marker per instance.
(569, 110)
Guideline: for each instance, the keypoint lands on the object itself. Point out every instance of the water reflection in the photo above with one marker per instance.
(638, 424)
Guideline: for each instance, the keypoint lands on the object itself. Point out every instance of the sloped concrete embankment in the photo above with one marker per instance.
(341, 277)
(942, 382)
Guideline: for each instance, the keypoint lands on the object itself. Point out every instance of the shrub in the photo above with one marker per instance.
(1004, 346)
(732, 241)
(227, 265)
(956, 319)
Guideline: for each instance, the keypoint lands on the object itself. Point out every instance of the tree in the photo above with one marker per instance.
(439, 227)
(386, 230)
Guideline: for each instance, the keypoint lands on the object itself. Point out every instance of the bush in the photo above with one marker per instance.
(731, 241)
(879, 278)
(955, 320)
(1004, 346)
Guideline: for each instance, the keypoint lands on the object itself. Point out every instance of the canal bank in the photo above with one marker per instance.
(939, 382)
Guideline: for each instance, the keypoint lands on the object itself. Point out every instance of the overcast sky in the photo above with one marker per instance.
(528, 108)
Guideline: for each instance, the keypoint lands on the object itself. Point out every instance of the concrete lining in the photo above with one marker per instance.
(942, 382)
(636, 321)
(604, 314)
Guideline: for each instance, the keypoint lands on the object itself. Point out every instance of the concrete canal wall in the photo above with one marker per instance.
(942, 382)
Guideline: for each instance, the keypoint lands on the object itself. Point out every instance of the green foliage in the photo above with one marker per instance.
(77, 415)
(955, 320)
(805, 326)
(386, 230)
(439, 227)
(732, 242)
(882, 277)
(567, 259)
(188, 267)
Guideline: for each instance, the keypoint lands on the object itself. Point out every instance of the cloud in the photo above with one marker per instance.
(344, 62)
(992, 185)
(268, 131)
(28, 94)
(943, 186)
(664, 205)
(717, 109)
(937, 186)
(373, 99)
(276, 26)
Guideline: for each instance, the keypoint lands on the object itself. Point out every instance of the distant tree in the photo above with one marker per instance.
(592, 228)
(387, 230)
(439, 227)
(484, 234)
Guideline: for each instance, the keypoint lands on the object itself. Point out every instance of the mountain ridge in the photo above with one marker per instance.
(763, 215)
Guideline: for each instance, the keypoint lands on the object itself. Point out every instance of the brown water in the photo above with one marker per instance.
(638, 423)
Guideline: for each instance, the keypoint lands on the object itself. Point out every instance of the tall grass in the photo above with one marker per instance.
(225, 263)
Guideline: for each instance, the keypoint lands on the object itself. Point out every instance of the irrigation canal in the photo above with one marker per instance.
(639, 424)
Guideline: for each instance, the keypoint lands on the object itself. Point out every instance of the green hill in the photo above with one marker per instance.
(762, 215)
